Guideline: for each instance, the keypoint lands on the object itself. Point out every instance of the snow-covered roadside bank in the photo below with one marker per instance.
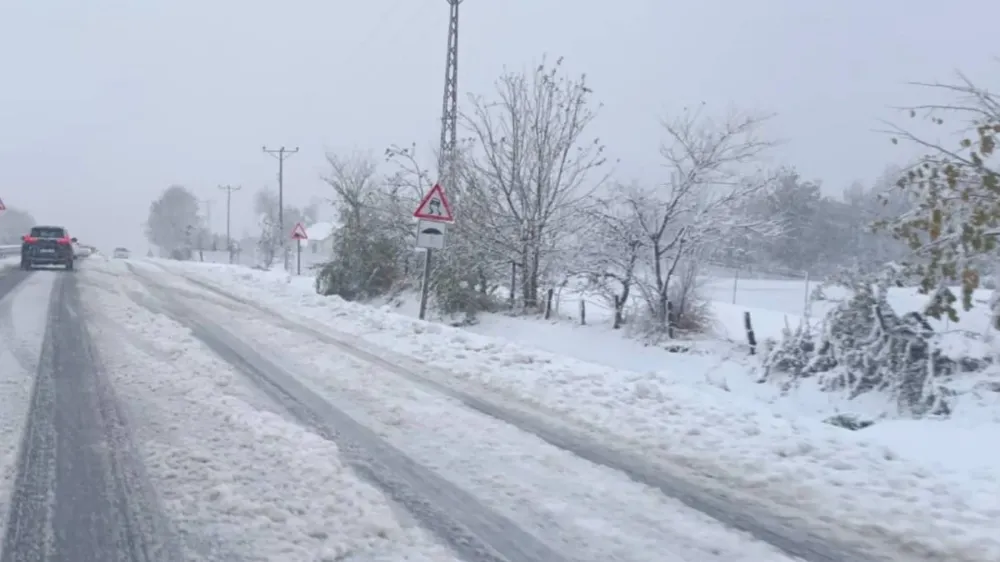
(798, 467)
(597, 514)
(24, 315)
(234, 478)
(962, 442)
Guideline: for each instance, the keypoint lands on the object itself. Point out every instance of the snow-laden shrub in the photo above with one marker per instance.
(866, 347)
(685, 312)
(818, 293)
(853, 422)
(364, 266)
(461, 290)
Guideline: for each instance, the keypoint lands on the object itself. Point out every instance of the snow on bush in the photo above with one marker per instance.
(865, 346)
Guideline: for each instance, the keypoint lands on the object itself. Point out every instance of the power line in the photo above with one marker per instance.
(281, 154)
(229, 189)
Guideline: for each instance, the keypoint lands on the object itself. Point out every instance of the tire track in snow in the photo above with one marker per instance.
(9, 281)
(473, 531)
(789, 535)
(80, 495)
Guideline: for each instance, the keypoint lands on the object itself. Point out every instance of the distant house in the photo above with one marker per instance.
(320, 238)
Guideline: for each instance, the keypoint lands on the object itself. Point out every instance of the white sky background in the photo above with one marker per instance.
(104, 103)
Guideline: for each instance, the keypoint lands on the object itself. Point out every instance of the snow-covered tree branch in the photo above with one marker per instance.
(713, 167)
(533, 166)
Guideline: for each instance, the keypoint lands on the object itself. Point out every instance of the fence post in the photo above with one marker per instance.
(670, 319)
(583, 312)
(805, 305)
(751, 338)
(736, 282)
(548, 304)
(513, 282)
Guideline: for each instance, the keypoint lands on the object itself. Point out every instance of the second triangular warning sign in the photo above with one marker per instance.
(2, 206)
(434, 206)
(299, 232)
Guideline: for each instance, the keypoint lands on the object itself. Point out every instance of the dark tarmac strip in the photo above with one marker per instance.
(80, 492)
(10, 280)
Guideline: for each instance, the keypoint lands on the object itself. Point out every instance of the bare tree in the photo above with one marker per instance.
(533, 166)
(713, 167)
(269, 241)
(266, 210)
(355, 184)
(173, 220)
(611, 251)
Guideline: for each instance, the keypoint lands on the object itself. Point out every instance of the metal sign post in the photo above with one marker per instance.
(298, 234)
(432, 213)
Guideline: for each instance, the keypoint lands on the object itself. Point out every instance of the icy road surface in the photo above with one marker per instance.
(147, 417)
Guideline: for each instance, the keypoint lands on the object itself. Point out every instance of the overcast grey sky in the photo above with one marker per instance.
(104, 103)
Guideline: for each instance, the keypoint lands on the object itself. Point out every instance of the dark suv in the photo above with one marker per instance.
(47, 245)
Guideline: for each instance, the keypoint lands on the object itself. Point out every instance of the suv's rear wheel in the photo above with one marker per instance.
(69, 265)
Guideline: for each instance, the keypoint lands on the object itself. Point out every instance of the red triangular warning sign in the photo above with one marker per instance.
(299, 232)
(434, 206)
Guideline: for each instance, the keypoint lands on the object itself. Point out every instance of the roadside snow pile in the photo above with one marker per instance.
(228, 471)
(801, 468)
(864, 346)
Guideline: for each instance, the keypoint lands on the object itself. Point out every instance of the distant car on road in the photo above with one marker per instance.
(47, 245)
(121, 253)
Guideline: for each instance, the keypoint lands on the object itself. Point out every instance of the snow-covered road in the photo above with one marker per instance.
(79, 490)
(203, 426)
(504, 485)
(473, 479)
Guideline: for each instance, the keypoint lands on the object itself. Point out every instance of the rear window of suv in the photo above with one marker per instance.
(48, 232)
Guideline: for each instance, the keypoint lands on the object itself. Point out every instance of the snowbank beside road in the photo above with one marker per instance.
(8, 263)
(799, 468)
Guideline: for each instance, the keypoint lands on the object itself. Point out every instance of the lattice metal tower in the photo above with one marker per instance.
(449, 107)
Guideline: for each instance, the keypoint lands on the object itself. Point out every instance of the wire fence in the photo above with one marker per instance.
(785, 291)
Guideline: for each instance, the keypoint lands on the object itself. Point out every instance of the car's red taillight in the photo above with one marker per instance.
(65, 241)
(30, 239)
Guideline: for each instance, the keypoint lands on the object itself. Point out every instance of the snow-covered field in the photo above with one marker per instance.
(698, 416)
(249, 258)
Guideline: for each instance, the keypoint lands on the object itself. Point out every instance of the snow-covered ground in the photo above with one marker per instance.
(696, 415)
(229, 471)
(961, 442)
(597, 514)
(249, 258)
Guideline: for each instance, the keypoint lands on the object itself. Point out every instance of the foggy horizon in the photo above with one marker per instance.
(108, 103)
